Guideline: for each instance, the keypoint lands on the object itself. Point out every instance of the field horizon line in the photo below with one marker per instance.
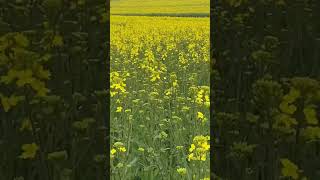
(164, 14)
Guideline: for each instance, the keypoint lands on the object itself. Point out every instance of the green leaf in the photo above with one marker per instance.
(280, 2)
(66, 174)
(18, 178)
(310, 115)
(80, 125)
(261, 55)
(52, 4)
(252, 118)
(286, 108)
(29, 151)
(83, 124)
(292, 95)
(311, 133)
(21, 40)
(284, 123)
(289, 169)
(58, 155)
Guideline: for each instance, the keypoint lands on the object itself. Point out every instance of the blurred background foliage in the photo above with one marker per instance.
(265, 89)
(53, 79)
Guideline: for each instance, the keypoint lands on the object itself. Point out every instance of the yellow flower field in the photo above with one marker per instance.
(159, 98)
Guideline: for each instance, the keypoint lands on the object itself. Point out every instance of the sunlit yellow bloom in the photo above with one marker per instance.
(192, 147)
(203, 157)
(113, 151)
(200, 115)
(206, 146)
(122, 149)
(119, 109)
(120, 146)
(190, 157)
(199, 149)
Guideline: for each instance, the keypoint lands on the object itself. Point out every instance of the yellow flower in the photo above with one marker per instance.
(200, 115)
(122, 149)
(141, 149)
(205, 146)
(119, 109)
(113, 151)
(113, 93)
(199, 148)
(182, 171)
(207, 98)
(192, 147)
(120, 146)
(203, 157)
(190, 157)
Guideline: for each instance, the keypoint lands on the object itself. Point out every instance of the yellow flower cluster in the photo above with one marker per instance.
(117, 147)
(117, 83)
(203, 96)
(201, 117)
(199, 148)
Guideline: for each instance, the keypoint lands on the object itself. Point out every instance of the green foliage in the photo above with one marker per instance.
(311, 133)
(29, 151)
(58, 155)
(310, 114)
(289, 169)
(241, 149)
(83, 124)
